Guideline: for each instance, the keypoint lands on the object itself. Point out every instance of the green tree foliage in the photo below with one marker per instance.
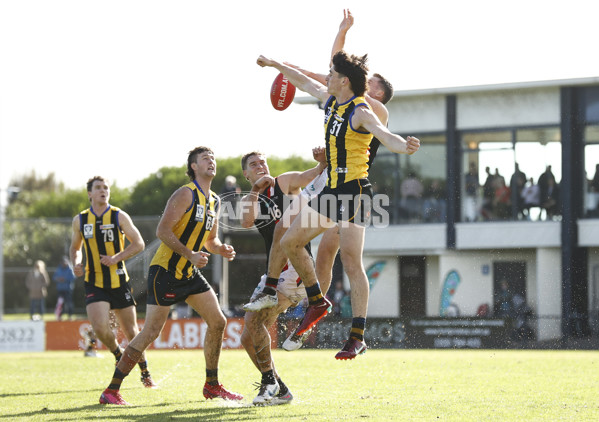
(31, 182)
(38, 221)
(149, 196)
(46, 198)
(28, 240)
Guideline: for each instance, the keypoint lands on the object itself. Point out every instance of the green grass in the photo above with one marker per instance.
(381, 385)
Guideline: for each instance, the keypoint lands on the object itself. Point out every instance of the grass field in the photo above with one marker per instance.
(382, 385)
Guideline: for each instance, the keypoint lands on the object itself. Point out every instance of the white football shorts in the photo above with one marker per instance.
(316, 186)
(287, 286)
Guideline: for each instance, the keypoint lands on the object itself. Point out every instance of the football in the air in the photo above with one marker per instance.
(281, 93)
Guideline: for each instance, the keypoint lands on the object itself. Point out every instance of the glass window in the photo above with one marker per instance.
(488, 158)
(592, 104)
(591, 161)
(502, 170)
(415, 183)
(384, 176)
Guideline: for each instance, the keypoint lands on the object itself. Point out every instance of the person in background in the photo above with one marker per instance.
(517, 183)
(471, 187)
(65, 284)
(37, 282)
(530, 197)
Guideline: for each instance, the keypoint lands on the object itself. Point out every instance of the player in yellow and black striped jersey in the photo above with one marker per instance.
(346, 146)
(378, 93)
(101, 230)
(347, 80)
(103, 236)
(192, 230)
(189, 224)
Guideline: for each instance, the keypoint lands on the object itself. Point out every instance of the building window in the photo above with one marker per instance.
(502, 170)
(415, 183)
(591, 166)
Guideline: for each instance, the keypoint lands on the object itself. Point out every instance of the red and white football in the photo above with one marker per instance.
(281, 93)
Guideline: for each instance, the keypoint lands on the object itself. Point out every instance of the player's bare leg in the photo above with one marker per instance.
(325, 258)
(277, 258)
(327, 251)
(256, 330)
(351, 240)
(127, 318)
(99, 317)
(156, 317)
(306, 227)
(206, 304)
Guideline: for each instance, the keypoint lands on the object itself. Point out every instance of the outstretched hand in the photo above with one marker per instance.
(263, 61)
(347, 22)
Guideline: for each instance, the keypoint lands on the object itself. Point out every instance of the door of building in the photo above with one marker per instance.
(510, 275)
(412, 281)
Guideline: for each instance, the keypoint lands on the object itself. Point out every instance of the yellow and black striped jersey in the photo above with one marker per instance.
(192, 230)
(346, 147)
(102, 235)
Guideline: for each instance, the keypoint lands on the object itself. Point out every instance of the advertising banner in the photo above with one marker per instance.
(177, 334)
(22, 336)
(402, 333)
(457, 333)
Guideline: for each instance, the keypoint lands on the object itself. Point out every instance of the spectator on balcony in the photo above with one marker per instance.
(411, 190)
(593, 202)
(502, 202)
(471, 186)
(435, 206)
(550, 199)
(517, 182)
(488, 195)
(530, 197)
(543, 181)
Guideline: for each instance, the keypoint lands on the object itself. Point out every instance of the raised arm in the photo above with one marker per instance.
(319, 77)
(291, 182)
(346, 23)
(338, 44)
(297, 78)
(365, 118)
(378, 108)
(249, 202)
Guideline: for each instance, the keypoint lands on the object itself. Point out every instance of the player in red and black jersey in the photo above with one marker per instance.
(263, 207)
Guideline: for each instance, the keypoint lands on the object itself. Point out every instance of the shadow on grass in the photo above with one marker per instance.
(219, 410)
(46, 393)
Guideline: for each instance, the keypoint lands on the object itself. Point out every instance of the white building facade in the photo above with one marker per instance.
(448, 251)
